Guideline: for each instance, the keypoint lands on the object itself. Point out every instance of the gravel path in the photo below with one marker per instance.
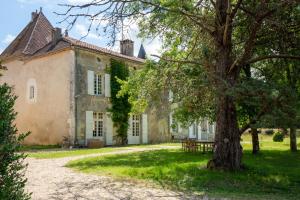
(48, 179)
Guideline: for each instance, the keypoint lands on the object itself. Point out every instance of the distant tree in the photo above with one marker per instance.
(12, 181)
(283, 74)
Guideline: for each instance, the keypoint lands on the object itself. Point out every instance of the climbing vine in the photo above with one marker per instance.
(120, 106)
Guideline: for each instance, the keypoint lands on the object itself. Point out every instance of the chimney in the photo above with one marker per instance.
(56, 35)
(33, 15)
(126, 47)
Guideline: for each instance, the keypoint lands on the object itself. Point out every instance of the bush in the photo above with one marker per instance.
(278, 137)
(12, 180)
(269, 132)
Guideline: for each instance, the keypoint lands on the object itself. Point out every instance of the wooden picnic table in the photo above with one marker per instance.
(191, 145)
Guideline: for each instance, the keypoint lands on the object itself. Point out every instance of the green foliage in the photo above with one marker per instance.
(278, 137)
(12, 181)
(120, 106)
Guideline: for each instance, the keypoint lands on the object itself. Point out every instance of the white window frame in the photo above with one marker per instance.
(98, 124)
(98, 84)
(136, 125)
(31, 91)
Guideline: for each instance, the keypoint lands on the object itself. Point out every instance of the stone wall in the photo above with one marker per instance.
(49, 117)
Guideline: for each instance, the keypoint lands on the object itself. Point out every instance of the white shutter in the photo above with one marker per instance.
(170, 96)
(109, 129)
(191, 131)
(145, 128)
(90, 82)
(89, 125)
(199, 131)
(129, 131)
(107, 85)
(171, 122)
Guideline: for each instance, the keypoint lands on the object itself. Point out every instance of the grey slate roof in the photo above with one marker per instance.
(36, 40)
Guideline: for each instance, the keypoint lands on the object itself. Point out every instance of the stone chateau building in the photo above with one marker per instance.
(63, 90)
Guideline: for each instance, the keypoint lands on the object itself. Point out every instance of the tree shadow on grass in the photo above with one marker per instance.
(274, 172)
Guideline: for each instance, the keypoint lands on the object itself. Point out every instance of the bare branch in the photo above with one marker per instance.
(177, 61)
(260, 58)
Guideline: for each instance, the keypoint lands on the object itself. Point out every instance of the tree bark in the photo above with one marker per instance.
(255, 141)
(227, 149)
(293, 139)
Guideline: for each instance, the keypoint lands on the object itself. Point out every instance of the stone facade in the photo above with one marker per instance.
(49, 116)
(54, 75)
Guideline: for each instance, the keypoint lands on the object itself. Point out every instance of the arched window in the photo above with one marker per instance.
(31, 91)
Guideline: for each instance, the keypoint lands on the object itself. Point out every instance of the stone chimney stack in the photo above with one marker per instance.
(127, 47)
(33, 15)
(56, 35)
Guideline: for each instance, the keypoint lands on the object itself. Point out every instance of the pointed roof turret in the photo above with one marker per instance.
(142, 52)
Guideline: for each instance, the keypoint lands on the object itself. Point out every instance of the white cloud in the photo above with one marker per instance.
(83, 31)
(153, 47)
(32, 1)
(79, 1)
(8, 39)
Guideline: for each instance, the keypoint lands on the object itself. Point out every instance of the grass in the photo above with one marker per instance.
(33, 148)
(59, 153)
(273, 174)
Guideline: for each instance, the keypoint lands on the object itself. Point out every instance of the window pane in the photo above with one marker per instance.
(31, 92)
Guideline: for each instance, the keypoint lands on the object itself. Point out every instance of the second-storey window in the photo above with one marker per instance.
(136, 125)
(97, 84)
(98, 124)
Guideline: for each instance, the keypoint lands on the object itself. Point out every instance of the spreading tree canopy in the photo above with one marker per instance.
(206, 45)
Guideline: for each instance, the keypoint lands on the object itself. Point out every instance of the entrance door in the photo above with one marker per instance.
(193, 131)
(134, 130)
(94, 126)
(204, 130)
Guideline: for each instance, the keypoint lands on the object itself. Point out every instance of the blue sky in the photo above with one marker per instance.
(16, 14)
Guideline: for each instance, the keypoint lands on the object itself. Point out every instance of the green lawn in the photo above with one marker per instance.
(47, 152)
(33, 148)
(274, 174)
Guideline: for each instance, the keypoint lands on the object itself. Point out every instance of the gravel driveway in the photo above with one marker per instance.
(49, 179)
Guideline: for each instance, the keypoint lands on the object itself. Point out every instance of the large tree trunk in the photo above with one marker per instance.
(227, 149)
(255, 140)
(293, 139)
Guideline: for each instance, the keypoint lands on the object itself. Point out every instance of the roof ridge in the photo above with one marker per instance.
(17, 39)
(76, 42)
(36, 21)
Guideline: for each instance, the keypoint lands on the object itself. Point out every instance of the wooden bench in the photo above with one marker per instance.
(191, 145)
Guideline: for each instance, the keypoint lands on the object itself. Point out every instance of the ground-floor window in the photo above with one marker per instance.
(136, 125)
(98, 124)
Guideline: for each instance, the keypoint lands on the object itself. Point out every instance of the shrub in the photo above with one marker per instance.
(12, 180)
(278, 137)
(269, 132)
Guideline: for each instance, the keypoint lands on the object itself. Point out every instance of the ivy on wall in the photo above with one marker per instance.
(120, 106)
